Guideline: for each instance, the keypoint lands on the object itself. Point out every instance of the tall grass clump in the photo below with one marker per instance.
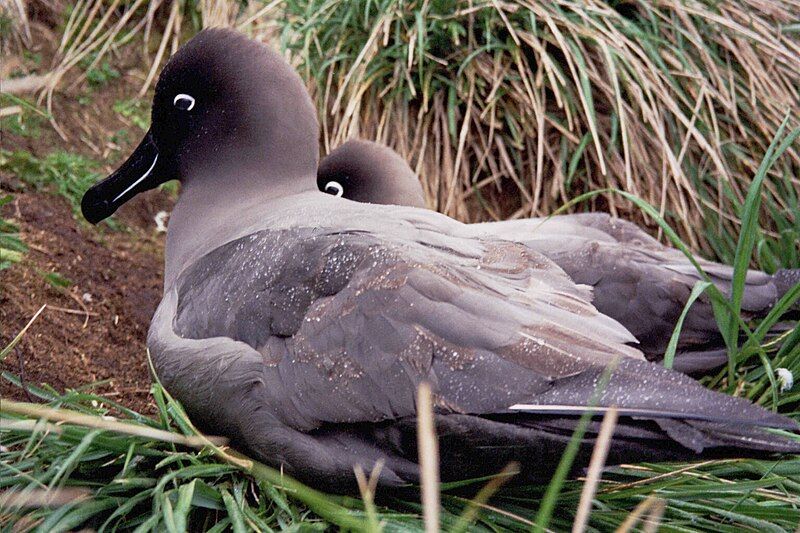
(80, 460)
(510, 109)
(71, 464)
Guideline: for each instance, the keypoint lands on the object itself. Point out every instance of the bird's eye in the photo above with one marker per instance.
(184, 102)
(335, 188)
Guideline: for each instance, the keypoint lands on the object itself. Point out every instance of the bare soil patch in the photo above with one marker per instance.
(95, 329)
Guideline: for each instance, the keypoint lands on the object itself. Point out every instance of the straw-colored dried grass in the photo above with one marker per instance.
(510, 109)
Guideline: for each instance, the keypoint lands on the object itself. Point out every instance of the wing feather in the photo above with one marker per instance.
(353, 322)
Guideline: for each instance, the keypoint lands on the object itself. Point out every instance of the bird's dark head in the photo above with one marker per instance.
(366, 171)
(223, 106)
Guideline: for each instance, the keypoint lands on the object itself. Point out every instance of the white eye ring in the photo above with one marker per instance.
(180, 98)
(338, 190)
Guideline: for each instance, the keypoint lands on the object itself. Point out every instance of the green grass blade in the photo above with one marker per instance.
(184, 505)
(551, 495)
(168, 514)
(748, 234)
(63, 471)
(698, 289)
(82, 514)
(234, 513)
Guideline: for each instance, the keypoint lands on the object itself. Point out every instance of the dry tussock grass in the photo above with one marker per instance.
(518, 107)
(511, 109)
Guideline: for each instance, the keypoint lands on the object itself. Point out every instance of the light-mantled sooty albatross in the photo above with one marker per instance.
(635, 279)
(300, 325)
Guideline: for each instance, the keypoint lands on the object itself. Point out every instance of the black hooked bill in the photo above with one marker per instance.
(139, 173)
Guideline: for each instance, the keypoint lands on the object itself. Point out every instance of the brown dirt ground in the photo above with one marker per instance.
(74, 342)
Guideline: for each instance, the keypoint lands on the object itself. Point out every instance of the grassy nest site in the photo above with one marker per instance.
(682, 116)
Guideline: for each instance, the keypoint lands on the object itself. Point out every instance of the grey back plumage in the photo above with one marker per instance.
(635, 279)
(640, 282)
(315, 330)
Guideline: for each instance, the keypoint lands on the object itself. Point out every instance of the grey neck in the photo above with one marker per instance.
(215, 210)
